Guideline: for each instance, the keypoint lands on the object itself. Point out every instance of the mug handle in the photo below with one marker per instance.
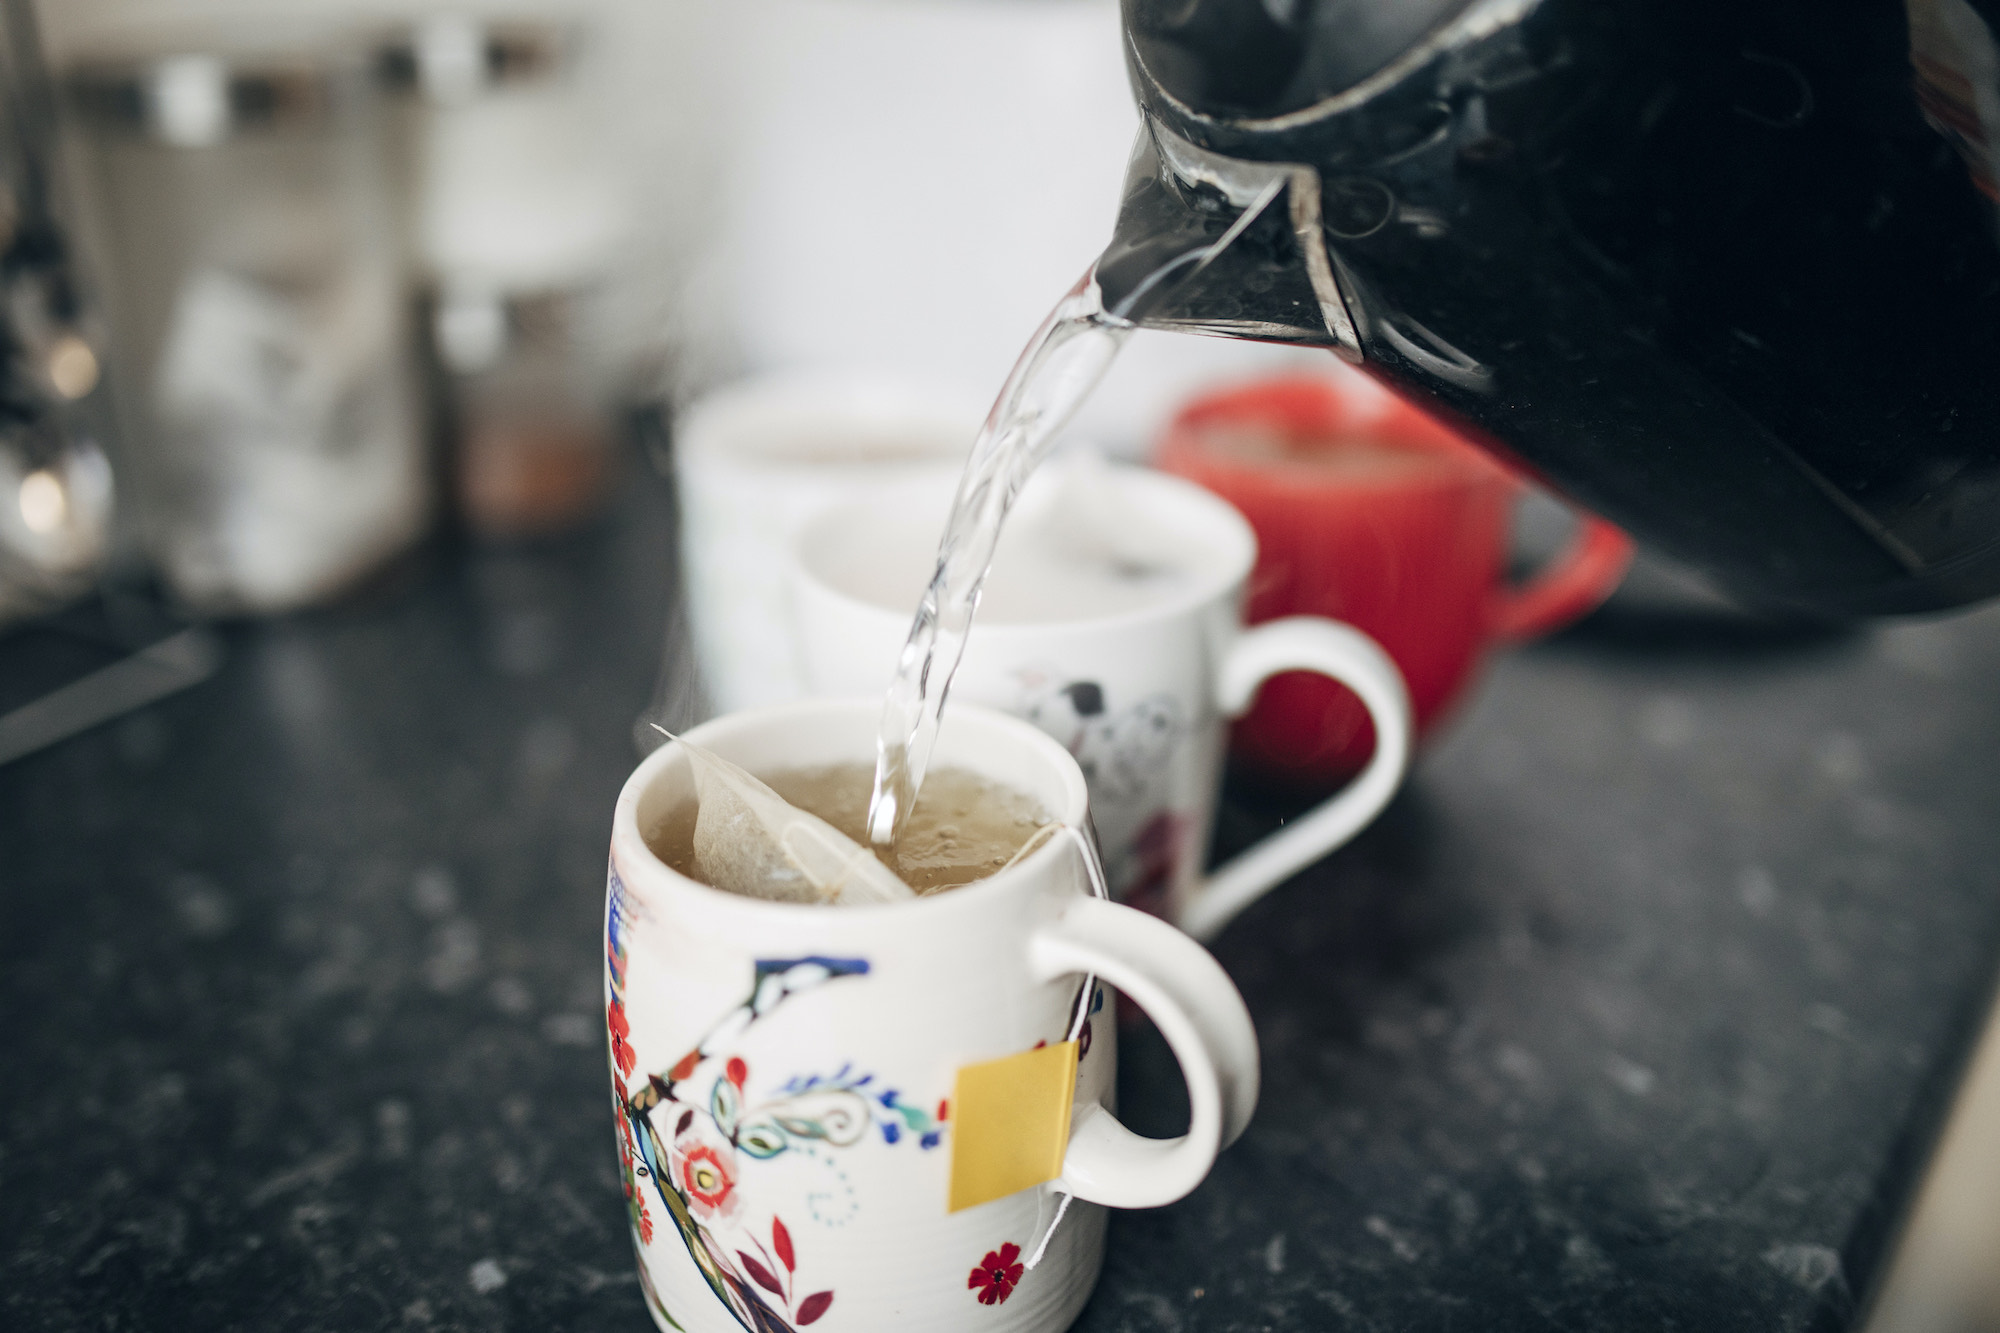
(1196, 1008)
(1306, 643)
(1573, 584)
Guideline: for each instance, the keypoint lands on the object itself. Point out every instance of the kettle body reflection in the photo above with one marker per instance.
(1727, 273)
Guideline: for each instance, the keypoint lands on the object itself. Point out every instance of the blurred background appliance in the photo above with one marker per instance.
(55, 481)
(257, 292)
(537, 181)
(1726, 273)
(518, 216)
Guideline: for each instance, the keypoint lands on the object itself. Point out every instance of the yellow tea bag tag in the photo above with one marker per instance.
(1010, 1123)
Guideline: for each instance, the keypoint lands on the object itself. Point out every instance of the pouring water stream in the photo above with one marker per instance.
(1062, 364)
(1056, 372)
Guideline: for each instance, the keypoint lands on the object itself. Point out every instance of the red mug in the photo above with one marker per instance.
(1369, 511)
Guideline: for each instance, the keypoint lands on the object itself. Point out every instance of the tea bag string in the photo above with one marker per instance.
(1041, 1246)
(1093, 865)
(1032, 845)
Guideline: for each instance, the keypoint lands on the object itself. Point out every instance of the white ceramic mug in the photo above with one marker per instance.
(1140, 696)
(754, 460)
(787, 1077)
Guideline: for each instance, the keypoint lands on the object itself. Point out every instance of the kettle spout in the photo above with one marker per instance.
(1222, 246)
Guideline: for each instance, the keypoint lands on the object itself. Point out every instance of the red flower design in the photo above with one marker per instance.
(635, 1196)
(995, 1276)
(706, 1176)
(622, 1053)
(626, 1147)
(737, 1071)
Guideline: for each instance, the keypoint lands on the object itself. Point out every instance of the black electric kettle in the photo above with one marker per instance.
(1725, 271)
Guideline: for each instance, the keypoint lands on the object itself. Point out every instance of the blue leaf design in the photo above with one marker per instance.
(839, 967)
(762, 1139)
(889, 1132)
(929, 1140)
(725, 1105)
(833, 1114)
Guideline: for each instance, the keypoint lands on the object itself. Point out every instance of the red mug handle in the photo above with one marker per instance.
(1572, 585)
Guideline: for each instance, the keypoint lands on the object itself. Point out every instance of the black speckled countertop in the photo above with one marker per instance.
(1638, 1009)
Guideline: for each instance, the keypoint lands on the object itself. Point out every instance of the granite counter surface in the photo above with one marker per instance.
(1637, 1010)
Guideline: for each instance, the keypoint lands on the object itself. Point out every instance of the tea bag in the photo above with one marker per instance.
(750, 840)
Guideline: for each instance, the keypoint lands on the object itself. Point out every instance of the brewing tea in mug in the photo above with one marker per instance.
(964, 827)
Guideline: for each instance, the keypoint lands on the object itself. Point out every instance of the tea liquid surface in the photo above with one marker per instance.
(964, 826)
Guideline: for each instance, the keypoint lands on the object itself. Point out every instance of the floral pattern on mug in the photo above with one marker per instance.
(622, 1057)
(688, 1138)
(706, 1173)
(633, 1178)
(996, 1276)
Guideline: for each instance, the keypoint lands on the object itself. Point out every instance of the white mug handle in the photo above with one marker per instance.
(1196, 1008)
(1306, 643)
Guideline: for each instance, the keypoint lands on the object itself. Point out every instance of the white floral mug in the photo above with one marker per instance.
(794, 1085)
